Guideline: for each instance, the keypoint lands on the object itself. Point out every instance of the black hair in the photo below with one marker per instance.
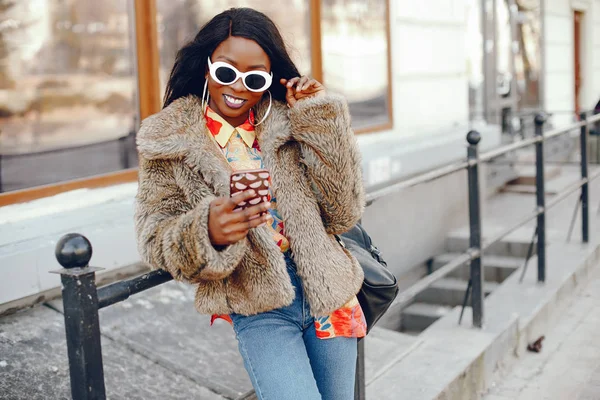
(188, 73)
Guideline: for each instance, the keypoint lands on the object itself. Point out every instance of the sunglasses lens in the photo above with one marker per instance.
(225, 75)
(255, 81)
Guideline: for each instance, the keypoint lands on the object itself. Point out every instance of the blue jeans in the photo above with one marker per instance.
(284, 358)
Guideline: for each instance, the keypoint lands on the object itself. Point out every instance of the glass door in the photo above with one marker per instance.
(503, 44)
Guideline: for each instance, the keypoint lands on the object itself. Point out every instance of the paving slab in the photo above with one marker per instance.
(34, 366)
(162, 324)
(384, 348)
(568, 366)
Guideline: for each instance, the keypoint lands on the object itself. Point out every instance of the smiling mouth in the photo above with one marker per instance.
(233, 102)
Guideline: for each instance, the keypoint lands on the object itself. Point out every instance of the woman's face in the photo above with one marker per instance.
(245, 55)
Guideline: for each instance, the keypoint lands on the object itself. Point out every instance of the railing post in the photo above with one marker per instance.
(585, 227)
(539, 120)
(359, 385)
(473, 137)
(82, 327)
(360, 391)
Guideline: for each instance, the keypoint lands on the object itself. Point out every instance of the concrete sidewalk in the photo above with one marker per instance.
(155, 346)
(568, 366)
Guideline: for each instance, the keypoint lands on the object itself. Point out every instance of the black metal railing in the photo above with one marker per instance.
(82, 300)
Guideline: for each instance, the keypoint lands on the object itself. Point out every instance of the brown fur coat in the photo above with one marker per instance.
(314, 161)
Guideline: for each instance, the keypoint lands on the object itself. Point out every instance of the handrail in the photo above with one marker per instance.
(519, 144)
(487, 156)
(119, 291)
(423, 178)
(407, 295)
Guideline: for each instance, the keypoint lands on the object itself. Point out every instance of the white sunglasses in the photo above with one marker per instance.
(226, 74)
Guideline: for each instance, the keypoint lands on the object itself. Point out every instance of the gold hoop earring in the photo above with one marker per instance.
(266, 113)
(205, 93)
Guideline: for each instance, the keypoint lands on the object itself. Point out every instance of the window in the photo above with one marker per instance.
(66, 90)
(528, 58)
(474, 47)
(69, 98)
(355, 57)
(507, 79)
(180, 20)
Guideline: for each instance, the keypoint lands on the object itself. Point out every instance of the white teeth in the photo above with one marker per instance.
(234, 100)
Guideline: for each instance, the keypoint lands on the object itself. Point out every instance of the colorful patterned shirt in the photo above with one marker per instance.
(240, 148)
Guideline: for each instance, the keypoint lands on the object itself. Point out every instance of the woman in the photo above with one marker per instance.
(235, 101)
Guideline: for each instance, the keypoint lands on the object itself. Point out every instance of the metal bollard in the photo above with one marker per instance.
(359, 383)
(539, 121)
(585, 220)
(476, 277)
(82, 327)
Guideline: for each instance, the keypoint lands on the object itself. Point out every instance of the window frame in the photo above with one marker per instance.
(147, 65)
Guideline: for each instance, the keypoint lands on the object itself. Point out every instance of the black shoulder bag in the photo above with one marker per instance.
(380, 287)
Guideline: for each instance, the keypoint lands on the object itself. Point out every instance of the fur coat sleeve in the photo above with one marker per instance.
(172, 234)
(330, 155)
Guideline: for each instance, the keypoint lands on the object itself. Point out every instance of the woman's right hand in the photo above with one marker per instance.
(226, 226)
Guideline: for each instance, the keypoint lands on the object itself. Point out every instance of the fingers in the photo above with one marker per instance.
(289, 97)
(314, 86)
(248, 224)
(289, 85)
(238, 198)
(231, 229)
(227, 226)
(302, 83)
(301, 87)
(250, 213)
(303, 95)
(291, 82)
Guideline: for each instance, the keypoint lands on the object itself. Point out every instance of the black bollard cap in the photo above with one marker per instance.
(473, 137)
(73, 251)
(540, 119)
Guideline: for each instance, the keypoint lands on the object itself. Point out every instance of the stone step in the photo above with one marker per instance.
(384, 348)
(495, 268)
(449, 292)
(551, 187)
(515, 244)
(418, 316)
(526, 174)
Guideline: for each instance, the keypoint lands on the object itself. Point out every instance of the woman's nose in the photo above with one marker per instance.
(238, 86)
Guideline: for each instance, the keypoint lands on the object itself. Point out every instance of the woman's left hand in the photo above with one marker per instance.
(302, 87)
